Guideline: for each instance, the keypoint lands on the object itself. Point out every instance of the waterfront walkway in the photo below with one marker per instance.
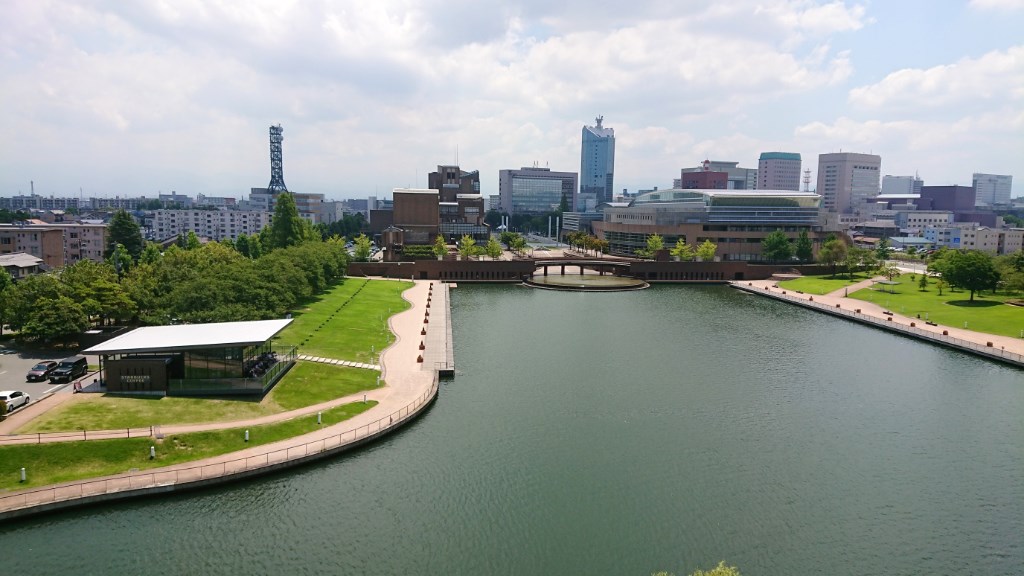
(411, 386)
(837, 303)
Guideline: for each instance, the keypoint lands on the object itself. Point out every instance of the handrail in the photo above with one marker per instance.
(146, 480)
(989, 351)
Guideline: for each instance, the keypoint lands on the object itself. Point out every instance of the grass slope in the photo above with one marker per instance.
(67, 461)
(821, 284)
(349, 321)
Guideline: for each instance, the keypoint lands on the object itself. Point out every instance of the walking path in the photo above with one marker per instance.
(411, 386)
(999, 347)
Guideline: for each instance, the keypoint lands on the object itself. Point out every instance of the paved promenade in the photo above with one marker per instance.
(1004, 347)
(410, 387)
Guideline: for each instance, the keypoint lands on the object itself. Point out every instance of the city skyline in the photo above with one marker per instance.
(129, 100)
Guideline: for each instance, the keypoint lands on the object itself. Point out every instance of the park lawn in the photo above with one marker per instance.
(988, 313)
(822, 284)
(310, 383)
(67, 461)
(307, 383)
(349, 322)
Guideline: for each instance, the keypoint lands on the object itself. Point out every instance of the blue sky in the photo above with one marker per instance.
(132, 98)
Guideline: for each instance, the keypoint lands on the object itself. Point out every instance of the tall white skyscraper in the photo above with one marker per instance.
(992, 189)
(847, 180)
(597, 161)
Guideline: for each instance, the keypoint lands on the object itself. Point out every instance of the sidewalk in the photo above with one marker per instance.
(410, 387)
(1007, 343)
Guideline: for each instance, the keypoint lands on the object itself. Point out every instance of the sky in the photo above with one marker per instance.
(114, 98)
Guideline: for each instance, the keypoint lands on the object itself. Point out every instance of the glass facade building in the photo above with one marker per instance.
(597, 161)
(535, 190)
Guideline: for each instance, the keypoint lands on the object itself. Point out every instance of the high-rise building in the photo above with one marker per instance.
(535, 190)
(901, 185)
(992, 189)
(847, 181)
(778, 171)
(738, 178)
(597, 161)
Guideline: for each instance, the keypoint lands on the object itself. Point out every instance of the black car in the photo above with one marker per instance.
(69, 368)
(41, 371)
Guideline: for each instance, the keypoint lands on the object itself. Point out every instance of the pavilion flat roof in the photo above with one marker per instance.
(191, 337)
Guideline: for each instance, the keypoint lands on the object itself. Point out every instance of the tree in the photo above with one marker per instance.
(467, 246)
(287, 228)
(362, 248)
(832, 252)
(150, 254)
(706, 251)
(971, 270)
(683, 251)
(804, 248)
(6, 292)
(493, 219)
(655, 243)
(883, 250)
(493, 248)
(776, 247)
(125, 231)
(56, 319)
(922, 284)
(440, 248)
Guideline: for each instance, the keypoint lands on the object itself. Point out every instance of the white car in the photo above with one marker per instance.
(14, 399)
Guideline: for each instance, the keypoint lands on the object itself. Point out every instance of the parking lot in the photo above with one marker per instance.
(13, 367)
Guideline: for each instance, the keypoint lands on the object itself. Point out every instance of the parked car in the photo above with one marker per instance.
(14, 399)
(69, 368)
(41, 371)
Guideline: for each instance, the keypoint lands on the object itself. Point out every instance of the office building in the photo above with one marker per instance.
(778, 171)
(901, 185)
(535, 190)
(597, 161)
(847, 181)
(992, 189)
(736, 220)
(737, 178)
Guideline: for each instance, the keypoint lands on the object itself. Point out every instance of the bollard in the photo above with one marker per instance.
(364, 398)
(319, 418)
(246, 435)
(152, 452)
(23, 474)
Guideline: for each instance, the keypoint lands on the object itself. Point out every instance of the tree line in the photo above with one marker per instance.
(253, 278)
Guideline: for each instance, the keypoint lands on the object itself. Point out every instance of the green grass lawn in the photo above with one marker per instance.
(821, 284)
(349, 321)
(987, 313)
(67, 461)
(307, 383)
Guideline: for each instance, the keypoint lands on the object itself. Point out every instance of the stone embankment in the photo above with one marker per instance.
(999, 348)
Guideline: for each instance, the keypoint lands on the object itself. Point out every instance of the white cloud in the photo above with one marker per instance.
(997, 76)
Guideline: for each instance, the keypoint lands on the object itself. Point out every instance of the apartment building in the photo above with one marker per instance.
(215, 224)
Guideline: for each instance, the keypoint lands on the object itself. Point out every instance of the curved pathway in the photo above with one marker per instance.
(410, 386)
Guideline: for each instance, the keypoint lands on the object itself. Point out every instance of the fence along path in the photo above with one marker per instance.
(989, 346)
(410, 388)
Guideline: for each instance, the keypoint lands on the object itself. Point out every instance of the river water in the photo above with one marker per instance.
(585, 433)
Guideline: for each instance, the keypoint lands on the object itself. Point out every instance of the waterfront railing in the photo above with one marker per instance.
(125, 484)
(989, 349)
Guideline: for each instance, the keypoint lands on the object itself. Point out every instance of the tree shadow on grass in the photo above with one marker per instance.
(974, 304)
